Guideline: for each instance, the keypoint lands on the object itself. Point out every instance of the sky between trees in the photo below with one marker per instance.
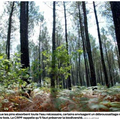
(45, 7)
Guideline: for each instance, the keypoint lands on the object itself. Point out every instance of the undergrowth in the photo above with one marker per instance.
(77, 99)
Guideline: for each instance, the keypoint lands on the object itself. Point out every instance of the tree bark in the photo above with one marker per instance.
(80, 78)
(115, 7)
(24, 34)
(76, 71)
(82, 35)
(109, 65)
(117, 53)
(88, 47)
(79, 57)
(69, 80)
(101, 51)
(53, 51)
(112, 63)
(9, 31)
(39, 56)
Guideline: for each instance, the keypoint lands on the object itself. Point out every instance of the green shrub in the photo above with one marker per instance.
(11, 71)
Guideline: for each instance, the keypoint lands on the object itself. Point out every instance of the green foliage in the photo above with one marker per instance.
(47, 82)
(35, 70)
(76, 53)
(61, 62)
(15, 74)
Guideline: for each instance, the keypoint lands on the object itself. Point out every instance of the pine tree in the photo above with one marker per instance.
(53, 52)
(24, 35)
(83, 42)
(69, 80)
(101, 51)
(9, 31)
(88, 47)
(115, 7)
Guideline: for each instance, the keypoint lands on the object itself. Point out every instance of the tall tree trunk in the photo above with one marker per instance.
(112, 62)
(72, 76)
(39, 56)
(60, 80)
(69, 80)
(76, 71)
(97, 74)
(79, 57)
(115, 7)
(9, 32)
(24, 38)
(101, 75)
(117, 53)
(80, 78)
(109, 65)
(101, 51)
(88, 47)
(53, 52)
(24, 34)
(82, 35)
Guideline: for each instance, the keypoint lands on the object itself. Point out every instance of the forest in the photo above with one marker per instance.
(59, 56)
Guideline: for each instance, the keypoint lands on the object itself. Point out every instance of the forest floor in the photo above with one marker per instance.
(75, 100)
